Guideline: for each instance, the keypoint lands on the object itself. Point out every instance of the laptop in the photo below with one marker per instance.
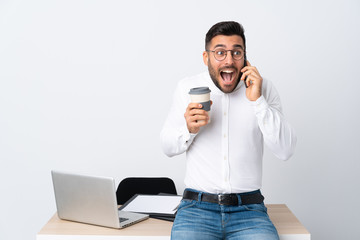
(90, 199)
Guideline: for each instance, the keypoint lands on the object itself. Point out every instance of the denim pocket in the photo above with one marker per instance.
(256, 207)
(186, 204)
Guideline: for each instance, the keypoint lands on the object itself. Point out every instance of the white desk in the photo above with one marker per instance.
(286, 223)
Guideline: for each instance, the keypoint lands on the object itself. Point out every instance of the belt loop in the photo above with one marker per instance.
(239, 199)
(199, 196)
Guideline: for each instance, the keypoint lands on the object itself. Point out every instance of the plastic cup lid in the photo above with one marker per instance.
(199, 90)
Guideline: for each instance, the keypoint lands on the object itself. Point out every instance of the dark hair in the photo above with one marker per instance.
(225, 28)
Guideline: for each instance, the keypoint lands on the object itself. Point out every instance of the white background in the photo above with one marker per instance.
(86, 86)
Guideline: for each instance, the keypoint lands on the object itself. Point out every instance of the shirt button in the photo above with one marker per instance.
(224, 113)
(224, 135)
(225, 158)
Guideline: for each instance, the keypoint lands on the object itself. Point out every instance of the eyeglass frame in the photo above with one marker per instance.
(226, 51)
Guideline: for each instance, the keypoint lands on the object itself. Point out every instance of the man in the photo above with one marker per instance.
(222, 199)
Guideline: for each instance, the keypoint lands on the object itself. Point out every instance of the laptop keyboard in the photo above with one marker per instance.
(123, 219)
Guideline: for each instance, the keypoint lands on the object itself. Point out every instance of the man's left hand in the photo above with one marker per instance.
(253, 81)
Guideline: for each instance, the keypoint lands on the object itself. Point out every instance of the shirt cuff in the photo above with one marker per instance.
(260, 106)
(187, 136)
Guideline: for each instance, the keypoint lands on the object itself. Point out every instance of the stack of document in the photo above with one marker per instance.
(157, 206)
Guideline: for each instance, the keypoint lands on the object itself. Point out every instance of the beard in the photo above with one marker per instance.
(216, 78)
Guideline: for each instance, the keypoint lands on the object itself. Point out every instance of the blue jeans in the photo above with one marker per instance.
(210, 221)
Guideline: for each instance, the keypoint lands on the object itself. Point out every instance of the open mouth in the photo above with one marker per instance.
(227, 75)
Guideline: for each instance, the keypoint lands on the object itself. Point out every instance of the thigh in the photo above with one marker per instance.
(251, 223)
(195, 223)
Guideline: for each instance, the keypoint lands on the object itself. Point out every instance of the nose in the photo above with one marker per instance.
(229, 58)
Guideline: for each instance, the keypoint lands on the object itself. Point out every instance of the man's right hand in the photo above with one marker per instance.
(195, 117)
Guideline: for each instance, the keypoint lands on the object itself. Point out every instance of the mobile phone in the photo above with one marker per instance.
(245, 59)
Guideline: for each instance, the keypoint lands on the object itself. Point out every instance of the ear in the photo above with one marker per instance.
(205, 57)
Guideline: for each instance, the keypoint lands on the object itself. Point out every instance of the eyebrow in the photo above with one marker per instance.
(235, 46)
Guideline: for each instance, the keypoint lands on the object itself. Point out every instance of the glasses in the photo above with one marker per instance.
(220, 54)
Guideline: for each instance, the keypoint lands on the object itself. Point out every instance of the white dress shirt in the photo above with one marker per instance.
(226, 155)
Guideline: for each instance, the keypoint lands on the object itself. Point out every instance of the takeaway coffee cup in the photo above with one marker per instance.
(201, 95)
